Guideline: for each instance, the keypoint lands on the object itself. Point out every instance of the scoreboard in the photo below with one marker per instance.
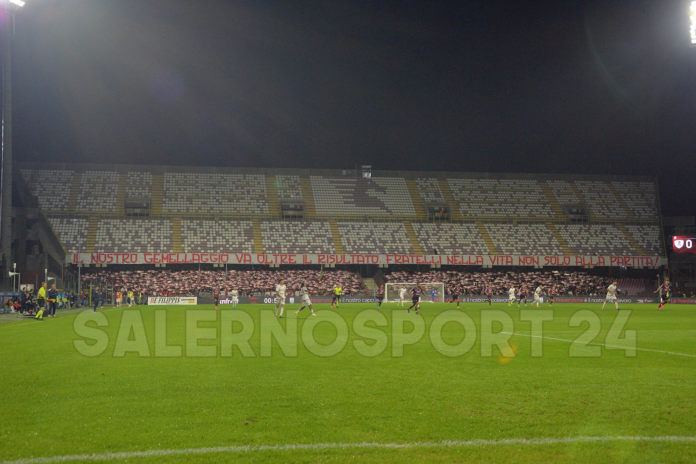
(684, 244)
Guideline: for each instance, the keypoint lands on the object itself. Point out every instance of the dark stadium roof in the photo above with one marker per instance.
(585, 86)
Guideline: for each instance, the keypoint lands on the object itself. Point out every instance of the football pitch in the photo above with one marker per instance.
(179, 384)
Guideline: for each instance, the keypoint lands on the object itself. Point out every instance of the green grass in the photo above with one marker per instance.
(55, 401)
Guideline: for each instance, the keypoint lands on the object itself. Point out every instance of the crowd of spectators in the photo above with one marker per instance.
(563, 282)
(198, 283)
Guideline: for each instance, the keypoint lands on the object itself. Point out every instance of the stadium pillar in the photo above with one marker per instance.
(6, 193)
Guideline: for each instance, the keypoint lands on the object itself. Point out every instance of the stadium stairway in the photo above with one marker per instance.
(553, 201)
(559, 239)
(451, 202)
(416, 199)
(75, 188)
(578, 193)
(176, 235)
(91, 241)
(157, 194)
(620, 200)
(272, 196)
(121, 193)
(634, 243)
(308, 197)
(258, 237)
(370, 284)
(412, 237)
(336, 235)
(492, 249)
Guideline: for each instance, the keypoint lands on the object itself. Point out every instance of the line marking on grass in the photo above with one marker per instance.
(601, 344)
(333, 446)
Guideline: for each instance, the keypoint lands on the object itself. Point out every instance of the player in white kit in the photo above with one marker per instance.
(611, 296)
(402, 296)
(513, 298)
(235, 297)
(306, 302)
(537, 295)
(280, 298)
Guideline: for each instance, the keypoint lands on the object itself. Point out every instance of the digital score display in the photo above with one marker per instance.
(684, 244)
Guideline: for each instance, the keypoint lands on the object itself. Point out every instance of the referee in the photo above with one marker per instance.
(41, 300)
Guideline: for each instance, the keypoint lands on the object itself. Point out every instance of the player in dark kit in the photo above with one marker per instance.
(415, 297)
(455, 295)
(552, 292)
(489, 295)
(216, 297)
(664, 295)
(523, 296)
(380, 295)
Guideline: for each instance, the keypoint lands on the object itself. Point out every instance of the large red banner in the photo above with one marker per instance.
(326, 259)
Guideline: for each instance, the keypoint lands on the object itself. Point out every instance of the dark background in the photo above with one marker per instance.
(604, 87)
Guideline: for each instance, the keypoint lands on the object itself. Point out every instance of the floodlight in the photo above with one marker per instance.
(20, 3)
(693, 23)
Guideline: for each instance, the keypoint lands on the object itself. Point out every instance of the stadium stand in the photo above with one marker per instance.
(72, 233)
(214, 193)
(98, 191)
(139, 186)
(563, 192)
(535, 239)
(386, 196)
(595, 239)
(639, 197)
(511, 213)
(215, 236)
(297, 237)
(567, 282)
(134, 236)
(289, 188)
(500, 198)
(648, 237)
(600, 199)
(634, 286)
(430, 191)
(380, 238)
(51, 187)
(450, 239)
(183, 283)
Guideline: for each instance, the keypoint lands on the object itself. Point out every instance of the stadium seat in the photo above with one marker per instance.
(450, 239)
(216, 236)
(430, 191)
(500, 198)
(72, 233)
(289, 188)
(51, 187)
(297, 237)
(524, 239)
(384, 196)
(134, 236)
(595, 239)
(374, 238)
(214, 193)
(98, 192)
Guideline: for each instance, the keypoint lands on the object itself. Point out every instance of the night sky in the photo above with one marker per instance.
(605, 87)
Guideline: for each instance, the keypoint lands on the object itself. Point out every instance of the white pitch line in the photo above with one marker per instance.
(602, 344)
(330, 446)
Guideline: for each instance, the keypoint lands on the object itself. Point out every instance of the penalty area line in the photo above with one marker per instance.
(602, 344)
(339, 446)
